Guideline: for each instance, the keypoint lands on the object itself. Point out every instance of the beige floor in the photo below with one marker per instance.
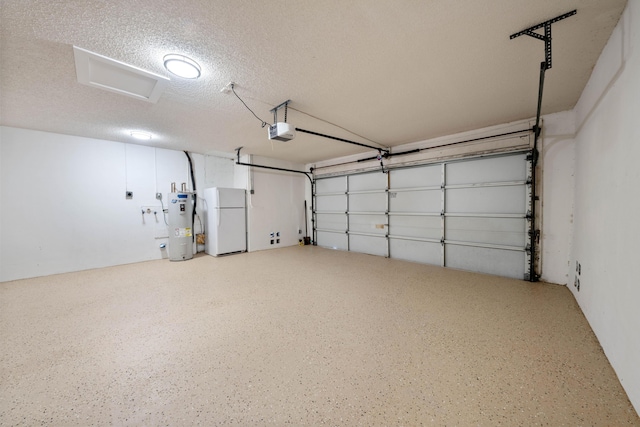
(299, 336)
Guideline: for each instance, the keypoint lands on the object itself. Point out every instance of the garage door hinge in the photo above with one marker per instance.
(528, 215)
(442, 213)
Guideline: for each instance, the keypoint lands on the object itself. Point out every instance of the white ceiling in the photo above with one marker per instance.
(392, 72)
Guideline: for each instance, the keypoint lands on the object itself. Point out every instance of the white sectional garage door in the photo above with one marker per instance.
(466, 214)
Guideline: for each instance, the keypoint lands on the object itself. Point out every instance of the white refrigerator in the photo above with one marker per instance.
(225, 221)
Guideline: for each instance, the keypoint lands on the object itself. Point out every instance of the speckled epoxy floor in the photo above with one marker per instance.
(299, 336)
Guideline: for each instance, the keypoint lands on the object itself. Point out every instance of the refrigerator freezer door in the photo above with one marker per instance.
(230, 197)
(230, 231)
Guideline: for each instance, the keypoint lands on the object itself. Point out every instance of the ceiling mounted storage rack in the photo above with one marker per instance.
(534, 233)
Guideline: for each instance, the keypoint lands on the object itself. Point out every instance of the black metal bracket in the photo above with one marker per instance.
(380, 156)
(275, 109)
(546, 38)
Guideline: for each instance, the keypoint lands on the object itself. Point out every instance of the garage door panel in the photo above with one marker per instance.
(331, 203)
(485, 200)
(332, 222)
(485, 260)
(368, 181)
(368, 202)
(423, 252)
(368, 224)
(495, 231)
(425, 227)
(331, 185)
(368, 245)
(416, 201)
(332, 240)
(497, 169)
(424, 176)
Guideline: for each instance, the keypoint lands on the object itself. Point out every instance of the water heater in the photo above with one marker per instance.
(180, 218)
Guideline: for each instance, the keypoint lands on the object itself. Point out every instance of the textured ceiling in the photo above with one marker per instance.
(392, 72)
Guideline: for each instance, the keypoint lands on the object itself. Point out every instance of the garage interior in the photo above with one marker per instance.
(439, 213)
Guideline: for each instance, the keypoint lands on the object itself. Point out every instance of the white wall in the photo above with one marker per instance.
(277, 202)
(64, 206)
(607, 202)
(555, 190)
(219, 171)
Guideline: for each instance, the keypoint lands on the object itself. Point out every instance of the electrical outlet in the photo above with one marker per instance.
(272, 241)
(576, 280)
(278, 234)
(128, 195)
(159, 196)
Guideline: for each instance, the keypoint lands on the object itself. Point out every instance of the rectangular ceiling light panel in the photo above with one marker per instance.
(115, 76)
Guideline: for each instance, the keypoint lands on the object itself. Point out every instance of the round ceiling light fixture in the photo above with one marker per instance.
(182, 66)
(140, 135)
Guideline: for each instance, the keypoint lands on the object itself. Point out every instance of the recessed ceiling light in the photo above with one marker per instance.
(140, 135)
(182, 66)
